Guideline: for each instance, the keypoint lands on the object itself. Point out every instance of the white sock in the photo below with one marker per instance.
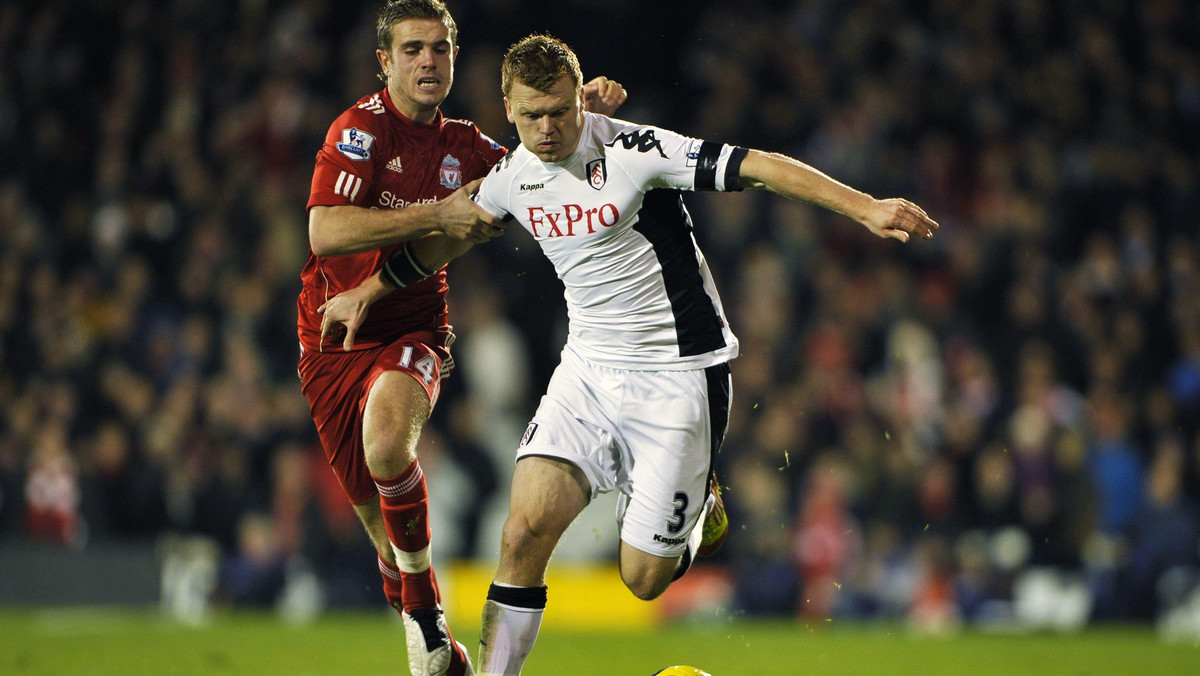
(512, 617)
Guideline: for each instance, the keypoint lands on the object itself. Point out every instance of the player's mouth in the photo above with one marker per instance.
(429, 84)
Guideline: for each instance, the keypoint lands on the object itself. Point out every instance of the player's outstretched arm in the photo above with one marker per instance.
(340, 230)
(896, 218)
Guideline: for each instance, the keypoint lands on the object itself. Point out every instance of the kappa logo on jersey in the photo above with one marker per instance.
(451, 173)
(597, 173)
(530, 187)
(642, 139)
(395, 165)
(529, 432)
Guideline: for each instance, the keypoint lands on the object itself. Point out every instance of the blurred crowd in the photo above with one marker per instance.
(916, 428)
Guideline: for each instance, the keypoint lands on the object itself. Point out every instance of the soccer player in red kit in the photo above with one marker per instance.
(393, 169)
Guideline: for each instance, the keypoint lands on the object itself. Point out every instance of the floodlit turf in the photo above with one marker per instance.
(131, 642)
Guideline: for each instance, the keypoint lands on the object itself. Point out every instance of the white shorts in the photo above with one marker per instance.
(652, 435)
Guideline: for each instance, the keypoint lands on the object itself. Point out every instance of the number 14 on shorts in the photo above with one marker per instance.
(426, 366)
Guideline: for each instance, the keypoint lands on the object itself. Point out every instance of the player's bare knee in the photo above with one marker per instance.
(390, 452)
(522, 532)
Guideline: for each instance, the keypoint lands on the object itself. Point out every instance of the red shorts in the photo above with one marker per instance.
(336, 385)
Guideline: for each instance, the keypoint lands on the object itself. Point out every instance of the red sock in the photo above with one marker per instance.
(405, 504)
(393, 585)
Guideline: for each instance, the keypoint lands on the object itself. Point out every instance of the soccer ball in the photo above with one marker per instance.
(680, 670)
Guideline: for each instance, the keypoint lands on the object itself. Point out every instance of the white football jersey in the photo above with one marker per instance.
(639, 292)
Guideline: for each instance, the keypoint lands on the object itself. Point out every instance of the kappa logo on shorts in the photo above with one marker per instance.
(529, 432)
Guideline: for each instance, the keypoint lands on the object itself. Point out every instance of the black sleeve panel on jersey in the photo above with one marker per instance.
(733, 169)
(706, 165)
(708, 162)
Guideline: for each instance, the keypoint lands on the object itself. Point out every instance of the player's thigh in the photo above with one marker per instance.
(401, 390)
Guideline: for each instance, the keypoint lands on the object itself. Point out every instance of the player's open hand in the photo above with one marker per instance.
(900, 219)
(348, 309)
(462, 219)
(604, 96)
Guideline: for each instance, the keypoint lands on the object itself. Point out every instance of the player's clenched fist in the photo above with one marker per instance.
(462, 219)
(602, 95)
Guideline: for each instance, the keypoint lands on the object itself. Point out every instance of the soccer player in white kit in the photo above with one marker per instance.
(640, 400)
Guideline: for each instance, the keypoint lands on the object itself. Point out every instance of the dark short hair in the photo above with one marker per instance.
(538, 61)
(402, 10)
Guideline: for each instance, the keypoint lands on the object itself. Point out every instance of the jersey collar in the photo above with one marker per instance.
(391, 107)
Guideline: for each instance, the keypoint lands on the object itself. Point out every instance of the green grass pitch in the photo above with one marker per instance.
(93, 641)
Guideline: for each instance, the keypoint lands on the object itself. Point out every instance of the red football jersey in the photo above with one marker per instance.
(375, 157)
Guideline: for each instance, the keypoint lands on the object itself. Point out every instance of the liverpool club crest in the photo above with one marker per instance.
(451, 172)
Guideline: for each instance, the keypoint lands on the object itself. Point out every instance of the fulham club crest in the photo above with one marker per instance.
(529, 432)
(597, 173)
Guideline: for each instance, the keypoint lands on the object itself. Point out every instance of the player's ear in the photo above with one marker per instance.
(508, 111)
(384, 58)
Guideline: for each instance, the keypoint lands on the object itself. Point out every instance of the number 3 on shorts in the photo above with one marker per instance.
(425, 365)
(675, 523)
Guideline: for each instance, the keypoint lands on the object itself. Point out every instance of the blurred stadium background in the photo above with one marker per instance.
(998, 429)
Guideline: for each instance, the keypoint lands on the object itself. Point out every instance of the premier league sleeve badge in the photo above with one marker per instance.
(356, 144)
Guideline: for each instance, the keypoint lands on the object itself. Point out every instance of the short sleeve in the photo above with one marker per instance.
(345, 164)
(493, 193)
(659, 158)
